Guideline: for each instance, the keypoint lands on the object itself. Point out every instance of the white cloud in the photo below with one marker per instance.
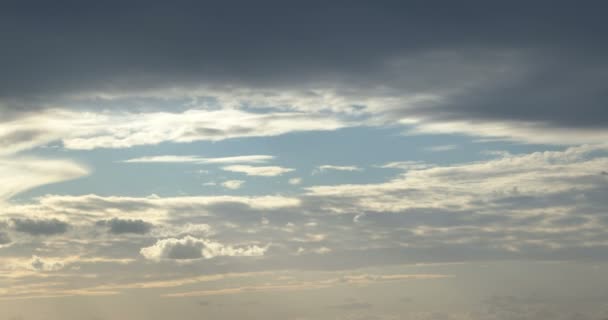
(189, 248)
(295, 181)
(328, 167)
(462, 186)
(441, 148)
(266, 171)
(233, 184)
(88, 130)
(405, 165)
(18, 174)
(201, 160)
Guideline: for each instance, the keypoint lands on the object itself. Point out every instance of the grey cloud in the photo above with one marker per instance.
(564, 91)
(4, 238)
(20, 137)
(40, 227)
(530, 308)
(122, 226)
(546, 59)
(40, 264)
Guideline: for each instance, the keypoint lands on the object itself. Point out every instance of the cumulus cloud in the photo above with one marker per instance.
(125, 226)
(189, 248)
(40, 227)
(265, 171)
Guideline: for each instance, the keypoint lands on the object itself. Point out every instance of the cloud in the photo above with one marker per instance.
(328, 167)
(189, 248)
(233, 184)
(40, 264)
(477, 184)
(4, 238)
(40, 227)
(18, 174)
(153, 209)
(114, 129)
(442, 148)
(406, 165)
(319, 250)
(408, 62)
(201, 160)
(14, 138)
(126, 226)
(348, 279)
(265, 171)
(123, 130)
(515, 131)
(295, 181)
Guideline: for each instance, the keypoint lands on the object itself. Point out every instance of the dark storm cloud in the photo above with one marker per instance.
(40, 227)
(560, 89)
(56, 48)
(123, 226)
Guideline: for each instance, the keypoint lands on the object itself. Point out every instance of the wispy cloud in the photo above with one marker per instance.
(265, 171)
(441, 148)
(18, 173)
(328, 167)
(201, 160)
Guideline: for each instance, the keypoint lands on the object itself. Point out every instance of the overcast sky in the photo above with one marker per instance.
(424, 160)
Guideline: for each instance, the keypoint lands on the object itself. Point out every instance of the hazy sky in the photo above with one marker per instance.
(423, 160)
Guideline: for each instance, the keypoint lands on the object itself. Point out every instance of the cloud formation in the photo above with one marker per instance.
(4, 238)
(405, 62)
(46, 227)
(126, 226)
(188, 248)
(137, 97)
(201, 160)
(328, 167)
(233, 184)
(264, 171)
(18, 174)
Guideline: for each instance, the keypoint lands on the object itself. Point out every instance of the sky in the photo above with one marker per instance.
(348, 160)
